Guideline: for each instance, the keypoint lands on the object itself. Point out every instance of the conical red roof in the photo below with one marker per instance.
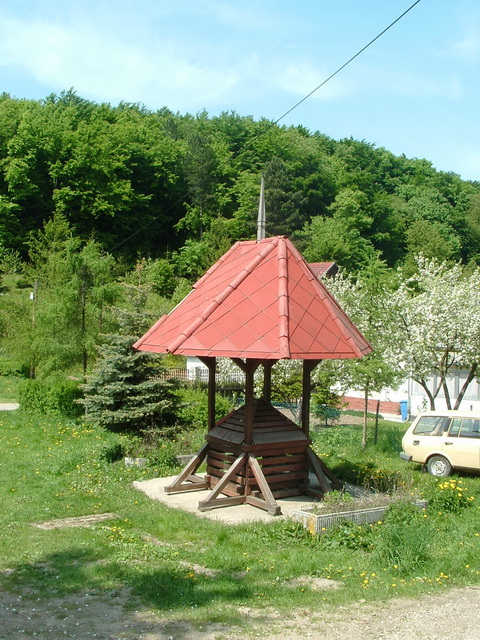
(260, 300)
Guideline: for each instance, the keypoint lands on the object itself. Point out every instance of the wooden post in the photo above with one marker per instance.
(308, 367)
(267, 379)
(211, 364)
(249, 386)
(248, 366)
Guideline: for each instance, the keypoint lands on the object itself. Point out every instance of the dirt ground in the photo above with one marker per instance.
(451, 615)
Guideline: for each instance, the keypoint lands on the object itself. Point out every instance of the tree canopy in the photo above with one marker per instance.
(152, 183)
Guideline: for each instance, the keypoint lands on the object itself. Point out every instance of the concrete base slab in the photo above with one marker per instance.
(8, 406)
(188, 501)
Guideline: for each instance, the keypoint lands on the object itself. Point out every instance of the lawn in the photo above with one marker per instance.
(8, 388)
(198, 570)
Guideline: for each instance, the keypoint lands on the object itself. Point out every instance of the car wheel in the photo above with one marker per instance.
(439, 467)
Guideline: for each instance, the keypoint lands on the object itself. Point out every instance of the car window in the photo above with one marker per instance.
(470, 428)
(455, 427)
(431, 425)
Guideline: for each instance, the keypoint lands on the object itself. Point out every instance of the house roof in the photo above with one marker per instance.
(321, 269)
(260, 300)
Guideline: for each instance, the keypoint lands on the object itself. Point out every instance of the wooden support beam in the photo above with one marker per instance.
(267, 379)
(211, 364)
(228, 501)
(249, 388)
(269, 503)
(335, 482)
(209, 502)
(308, 367)
(318, 471)
(188, 474)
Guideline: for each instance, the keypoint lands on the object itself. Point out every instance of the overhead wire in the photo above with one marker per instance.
(275, 122)
(345, 64)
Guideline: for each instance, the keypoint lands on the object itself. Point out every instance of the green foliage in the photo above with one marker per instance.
(161, 179)
(368, 475)
(450, 496)
(196, 569)
(327, 414)
(126, 391)
(404, 538)
(349, 535)
(51, 397)
(337, 497)
(9, 367)
(192, 410)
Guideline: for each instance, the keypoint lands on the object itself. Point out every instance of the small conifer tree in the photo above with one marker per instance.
(126, 391)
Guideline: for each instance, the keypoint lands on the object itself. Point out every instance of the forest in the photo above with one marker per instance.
(108, 214)
(183, 187)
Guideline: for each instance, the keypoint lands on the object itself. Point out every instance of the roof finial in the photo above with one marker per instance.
(261, 213)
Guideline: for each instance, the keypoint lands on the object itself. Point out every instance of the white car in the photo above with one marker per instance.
(444, 440)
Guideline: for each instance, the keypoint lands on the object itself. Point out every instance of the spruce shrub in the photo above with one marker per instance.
(127, 391)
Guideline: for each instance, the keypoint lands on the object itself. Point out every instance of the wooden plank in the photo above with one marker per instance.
(272, 508)
(194, 486)
(286, 477)
(216, 477)
(336, 483)
(262, 483)
(273, 460)
(227, 435)
(208, 505)
(224, 481)
(275, 469)
(318, 471)
(211, 364)
(221, 456)
(287, 493)
(287, 436)
(232, 489)
(188, 470)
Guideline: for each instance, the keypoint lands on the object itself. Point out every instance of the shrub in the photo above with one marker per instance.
(58, 397)
(193, 408)
(368, 475)
(9, 367)
(127, 391)
(348, 534)
(325, 413)
(449, 496)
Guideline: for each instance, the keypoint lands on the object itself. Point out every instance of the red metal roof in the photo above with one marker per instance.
(260, 300)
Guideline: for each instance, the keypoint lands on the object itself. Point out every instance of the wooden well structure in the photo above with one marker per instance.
(260, 303)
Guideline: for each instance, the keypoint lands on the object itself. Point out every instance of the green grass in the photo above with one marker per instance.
(8, 388)
(53, 468)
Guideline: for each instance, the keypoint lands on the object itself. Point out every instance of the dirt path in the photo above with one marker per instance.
(451, 615)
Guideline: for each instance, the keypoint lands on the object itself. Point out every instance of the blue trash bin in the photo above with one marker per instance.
(404, 410)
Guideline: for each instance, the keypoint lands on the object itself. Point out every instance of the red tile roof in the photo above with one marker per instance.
(260, 300)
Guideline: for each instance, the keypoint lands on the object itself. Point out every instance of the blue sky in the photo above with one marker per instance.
(416, 91)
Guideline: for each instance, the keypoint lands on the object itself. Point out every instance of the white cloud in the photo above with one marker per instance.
(301, 78)
(105, 67)
(469, 46)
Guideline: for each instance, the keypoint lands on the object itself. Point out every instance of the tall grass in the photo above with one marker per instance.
(198, 569)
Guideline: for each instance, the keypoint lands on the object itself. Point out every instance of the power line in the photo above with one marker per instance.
(346, 63)
(275, 122)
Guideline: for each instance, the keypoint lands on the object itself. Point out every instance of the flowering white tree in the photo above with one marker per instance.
(438, 326)
(369, 303)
